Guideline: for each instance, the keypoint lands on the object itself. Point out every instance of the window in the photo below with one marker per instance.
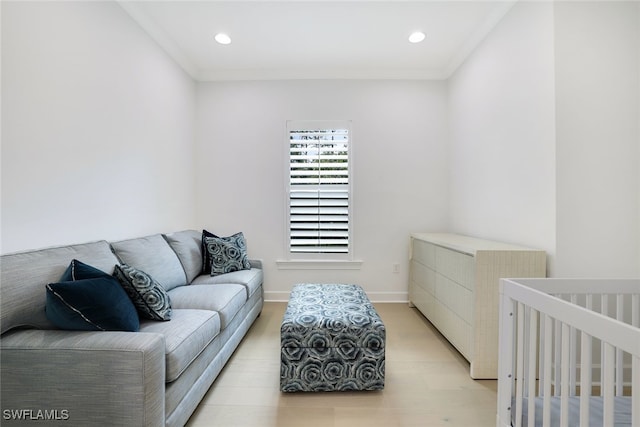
(319, 188)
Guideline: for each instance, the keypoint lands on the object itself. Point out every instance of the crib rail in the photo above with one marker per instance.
(568, 340)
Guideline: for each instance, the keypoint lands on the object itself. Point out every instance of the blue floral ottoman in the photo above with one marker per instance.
(332, 339)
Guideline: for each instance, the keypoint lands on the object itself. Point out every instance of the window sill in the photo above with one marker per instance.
(318, 264)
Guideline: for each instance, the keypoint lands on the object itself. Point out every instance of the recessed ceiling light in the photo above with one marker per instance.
(222, 38)
(416, 37)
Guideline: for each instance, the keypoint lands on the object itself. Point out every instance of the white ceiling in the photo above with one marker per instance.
(300, 39)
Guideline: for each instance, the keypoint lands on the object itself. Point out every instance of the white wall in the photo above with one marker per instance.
(97, 127)
(502, 126)
(545, 138)
(399, 164)
(598, 138)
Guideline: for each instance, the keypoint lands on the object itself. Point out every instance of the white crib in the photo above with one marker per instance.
(570, 348)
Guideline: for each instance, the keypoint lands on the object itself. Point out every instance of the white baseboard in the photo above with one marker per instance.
(277, 296)
(397, 297)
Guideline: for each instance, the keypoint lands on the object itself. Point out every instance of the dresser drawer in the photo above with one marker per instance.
(457, 266)
(455, 297)
(455, 329)
(424, 253)
(423, 277)
(423, 300)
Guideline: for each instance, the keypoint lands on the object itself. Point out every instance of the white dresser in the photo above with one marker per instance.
(454, 282)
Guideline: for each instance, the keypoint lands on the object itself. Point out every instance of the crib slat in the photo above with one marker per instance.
(548, 351)
(608, 376)
(619, 366)
(586, 360)
(525, 353)
(557, 358)
(635, 365)
(635, 391)
(531, 370)
(542, 346)
(585, 377)
(604, 309)
(573, 352)
(564, 380)
(519, 363)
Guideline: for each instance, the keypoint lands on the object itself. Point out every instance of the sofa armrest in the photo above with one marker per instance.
(256, 263)
(82, 378)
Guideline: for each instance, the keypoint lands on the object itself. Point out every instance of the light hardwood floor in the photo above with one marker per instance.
(427, 383)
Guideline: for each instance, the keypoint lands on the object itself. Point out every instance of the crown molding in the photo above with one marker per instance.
(477, 37)
(209, 75)
(330, 73)
(159, 36)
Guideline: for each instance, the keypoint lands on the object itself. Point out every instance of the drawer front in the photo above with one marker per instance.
(424, 253)
(456, 266)
(455, 297)
(423, 300)
(424, 277)
(456, 330)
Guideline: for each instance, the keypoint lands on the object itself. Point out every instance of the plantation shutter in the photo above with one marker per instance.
(319, 191)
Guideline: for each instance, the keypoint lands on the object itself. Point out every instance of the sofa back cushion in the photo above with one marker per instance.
(154, 256)
(187, 245)
(24, 275)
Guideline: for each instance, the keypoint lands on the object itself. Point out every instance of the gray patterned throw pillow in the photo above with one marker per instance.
(148, 296)
(227, 254)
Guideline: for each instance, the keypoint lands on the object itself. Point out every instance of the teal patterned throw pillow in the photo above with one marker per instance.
(227, 254)
(148, 296)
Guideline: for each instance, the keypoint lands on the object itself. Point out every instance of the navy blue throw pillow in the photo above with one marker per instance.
(206, 257)
(96, 304)
(78, 270)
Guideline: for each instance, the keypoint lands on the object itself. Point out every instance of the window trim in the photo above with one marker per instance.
(300, 260)
(318, 264)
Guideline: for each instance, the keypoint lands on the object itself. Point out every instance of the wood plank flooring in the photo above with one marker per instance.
(427, 383)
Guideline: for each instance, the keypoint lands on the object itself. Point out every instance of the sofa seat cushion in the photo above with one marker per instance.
(250, 279)
(186, 335)
(226, 299)
(154, 256)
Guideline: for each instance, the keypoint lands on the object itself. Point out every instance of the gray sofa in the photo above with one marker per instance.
(153, 377)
